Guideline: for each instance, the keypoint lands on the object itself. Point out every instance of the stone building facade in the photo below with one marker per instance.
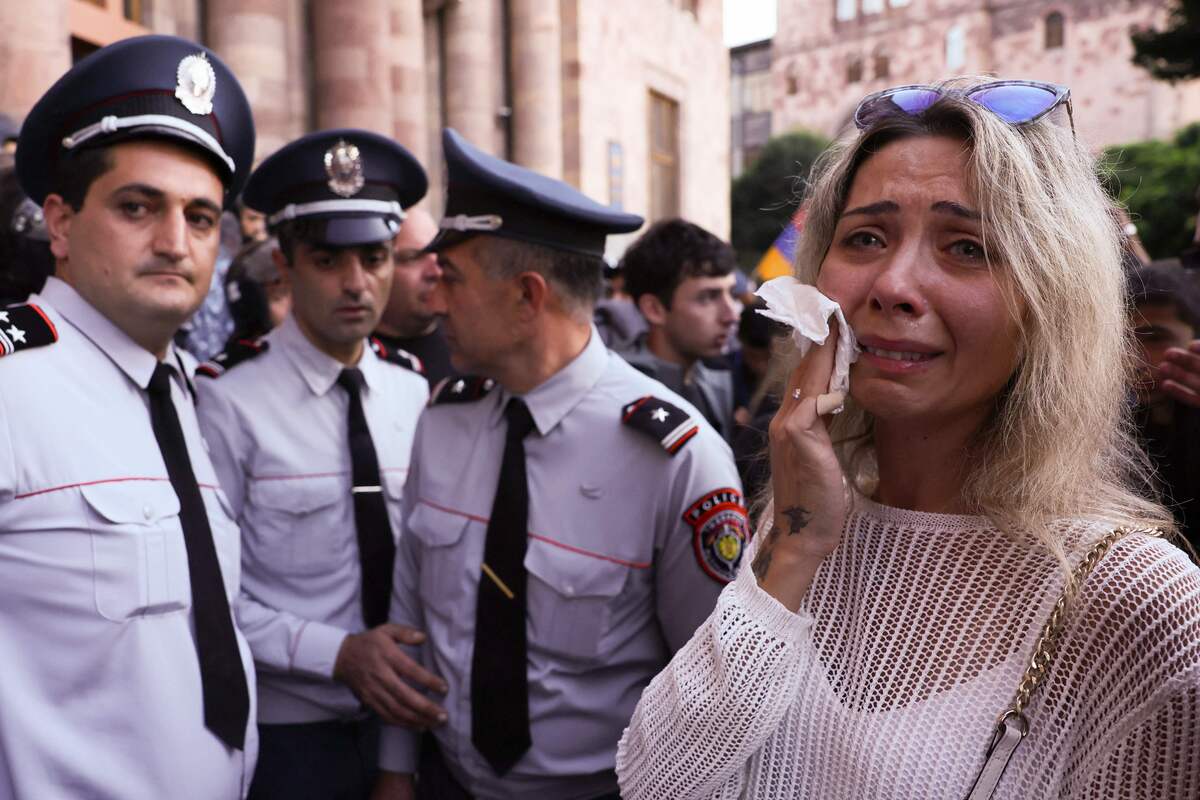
(626, 99)
(828, 54)
(750, 100)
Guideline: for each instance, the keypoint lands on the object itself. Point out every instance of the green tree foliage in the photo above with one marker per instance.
(1172, 54)
(767, 194)
(1158, 181)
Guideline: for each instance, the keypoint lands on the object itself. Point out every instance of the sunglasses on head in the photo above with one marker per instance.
(1015, 102)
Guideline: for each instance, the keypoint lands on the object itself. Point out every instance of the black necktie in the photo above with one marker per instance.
(376, 547)
(226, 696)
(499, 687)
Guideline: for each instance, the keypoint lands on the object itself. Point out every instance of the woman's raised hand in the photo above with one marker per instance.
(809, 491)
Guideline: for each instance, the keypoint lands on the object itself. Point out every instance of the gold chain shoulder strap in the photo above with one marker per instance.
(1013, 726)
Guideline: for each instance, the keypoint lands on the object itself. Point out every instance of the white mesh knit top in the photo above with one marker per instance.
(910, 643)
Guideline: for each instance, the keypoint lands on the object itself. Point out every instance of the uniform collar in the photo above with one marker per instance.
(135, 361)
(319, 370)
(555, 397)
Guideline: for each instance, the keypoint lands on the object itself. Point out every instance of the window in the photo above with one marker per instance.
(847, 9)
(899, 3)
(95, 23)
(872, 6)
(956, 47)
(793, 83)
(882, 65)
(757, 95)
(664, 157)
(854, 71)
(1055, 33)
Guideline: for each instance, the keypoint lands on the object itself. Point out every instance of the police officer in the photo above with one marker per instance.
(310, 431)
(124, 675)
(569, 520)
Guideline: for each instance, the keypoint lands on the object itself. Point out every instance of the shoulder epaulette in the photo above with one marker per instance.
(667, 424)
(237, 352)
(394, 355)
(460, 389)
(23, 328)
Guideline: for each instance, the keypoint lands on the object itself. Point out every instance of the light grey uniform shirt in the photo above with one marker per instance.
(617, 579)
(276, 425)
(100, 692)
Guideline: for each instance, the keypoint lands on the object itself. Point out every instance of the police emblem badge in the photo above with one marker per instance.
(720, 530)
(196, 84)
(344, 166)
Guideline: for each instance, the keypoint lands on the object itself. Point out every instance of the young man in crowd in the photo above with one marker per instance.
(682, 277)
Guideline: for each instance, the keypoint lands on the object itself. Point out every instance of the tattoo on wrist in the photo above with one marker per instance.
(798, 519)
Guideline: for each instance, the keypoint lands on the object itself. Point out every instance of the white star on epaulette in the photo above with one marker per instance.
(458, 387)
(3, 316)
(16, 333)
(660, 415)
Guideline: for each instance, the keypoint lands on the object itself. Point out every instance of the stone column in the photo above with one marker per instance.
(251, 37)
(408, 78)
(353, 65)
(537, 86)
(472, 37)
(35, 50)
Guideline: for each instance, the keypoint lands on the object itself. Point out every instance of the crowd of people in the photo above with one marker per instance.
(305, 493)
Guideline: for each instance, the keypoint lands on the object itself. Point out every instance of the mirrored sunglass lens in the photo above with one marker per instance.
(908, 101)
(1015, 104)
(913, 101)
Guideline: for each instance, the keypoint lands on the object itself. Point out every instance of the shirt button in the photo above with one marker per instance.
(147, 512)
(570, 590)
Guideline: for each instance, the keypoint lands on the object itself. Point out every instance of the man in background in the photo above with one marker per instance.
(409, 322)
(682, 279)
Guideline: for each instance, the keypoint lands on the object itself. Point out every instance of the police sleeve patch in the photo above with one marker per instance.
(395, 355)
(720, 530)
(237, 352)
(667, 424)
(24, 328)
(460, 389)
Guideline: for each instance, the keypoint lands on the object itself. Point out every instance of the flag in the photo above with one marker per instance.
(778, 259)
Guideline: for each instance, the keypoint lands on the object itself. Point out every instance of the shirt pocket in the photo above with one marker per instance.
(443, 561)
(570, 600)
(301, 526)
(139, 558)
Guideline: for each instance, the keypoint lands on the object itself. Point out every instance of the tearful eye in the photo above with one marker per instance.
(965, 248)
(863, 239)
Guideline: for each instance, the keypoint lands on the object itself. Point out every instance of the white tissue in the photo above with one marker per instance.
(806, 311)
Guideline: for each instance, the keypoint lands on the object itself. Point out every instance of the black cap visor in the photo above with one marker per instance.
(355, 231)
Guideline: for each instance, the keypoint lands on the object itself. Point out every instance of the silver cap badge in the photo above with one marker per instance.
(344, 166)
(196, 84)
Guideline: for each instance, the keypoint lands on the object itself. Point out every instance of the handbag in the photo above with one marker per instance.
(1013, 725)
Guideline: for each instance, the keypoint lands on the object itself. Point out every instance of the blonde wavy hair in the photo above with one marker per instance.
(1059, 442)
